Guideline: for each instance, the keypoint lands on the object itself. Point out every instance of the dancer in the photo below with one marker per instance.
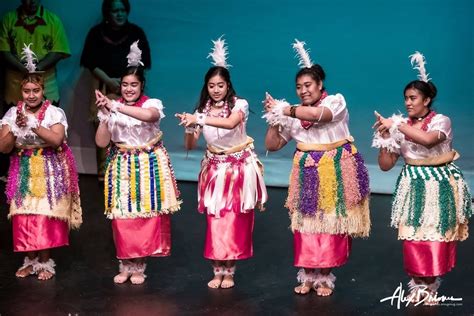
(230, 182)
(431, 204)
(42, 187)
(328, 195)
(140, 186)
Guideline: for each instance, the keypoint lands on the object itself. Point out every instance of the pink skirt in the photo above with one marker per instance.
(38, 232)
(428, 258)
(142, 237)
(321, 250)
(229, 237)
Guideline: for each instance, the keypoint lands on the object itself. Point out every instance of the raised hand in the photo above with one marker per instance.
(382, 124)
(268, 103)
(102, 102)
(21, 119)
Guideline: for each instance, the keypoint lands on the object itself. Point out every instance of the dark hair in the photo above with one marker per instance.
(316, 72)
(225, 74)
(107, 6)
(427, 89)
(138, 72)
(33, 78)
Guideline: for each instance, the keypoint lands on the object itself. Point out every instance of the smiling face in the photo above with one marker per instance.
(32, 94)
(131, 88)
(217, 88)
(308, 90)
(416, 103)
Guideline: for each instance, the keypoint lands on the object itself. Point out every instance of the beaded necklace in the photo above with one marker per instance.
(41, 112)
(143, 98)
(426, 120)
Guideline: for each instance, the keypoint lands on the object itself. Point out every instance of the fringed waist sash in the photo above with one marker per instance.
(140, 181)
(43, 180)
(329, 190)
(432, 200)
(231, 180)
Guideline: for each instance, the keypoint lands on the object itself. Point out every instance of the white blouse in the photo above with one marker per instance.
(321, 133)
(127, 130)
(440, 123)
(24, 135)
(227, 138)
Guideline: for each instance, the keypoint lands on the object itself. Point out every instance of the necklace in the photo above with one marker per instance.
(224, 105)
(142, 99)
(422, 117)
(426, 120)
(41, 112)
(38, 20)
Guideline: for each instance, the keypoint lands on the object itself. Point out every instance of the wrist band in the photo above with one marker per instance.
(201, 119)
(190, 130)
(293, 111)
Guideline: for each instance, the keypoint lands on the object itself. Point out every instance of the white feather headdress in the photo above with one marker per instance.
(29, 57)
(134, 57)
(219, 53)
(420, 61)
(302, 54)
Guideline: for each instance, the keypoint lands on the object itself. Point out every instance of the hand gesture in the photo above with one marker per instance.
(268, 103)
(21, 119)
(186, 119)
(103, 103)
(382, 125)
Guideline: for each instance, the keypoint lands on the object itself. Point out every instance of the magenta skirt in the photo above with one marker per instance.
(38, 232)
(428, 258)
(142, 237)
(321, 250)
(229, 237)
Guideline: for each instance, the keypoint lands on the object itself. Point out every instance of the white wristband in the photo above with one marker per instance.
(190, 130)
(201, 119)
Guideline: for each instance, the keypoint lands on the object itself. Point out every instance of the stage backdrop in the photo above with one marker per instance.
(363, 46)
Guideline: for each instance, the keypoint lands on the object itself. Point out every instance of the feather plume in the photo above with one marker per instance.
(420, 61)
(29, 57)
(134, 57)
(219, 53)
(302, 54)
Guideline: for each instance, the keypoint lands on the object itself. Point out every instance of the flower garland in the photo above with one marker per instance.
(143, 98)
(20, 109)
(224, 113)
(425, 122)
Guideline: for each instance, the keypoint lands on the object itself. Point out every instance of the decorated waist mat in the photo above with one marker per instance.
(140, 182)
(42, 172)
(327, 181)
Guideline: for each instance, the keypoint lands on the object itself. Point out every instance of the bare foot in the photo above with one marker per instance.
(227, 281)
(24, 272)
(137, 278)
(122, 277)
(323, 290)
(45, 275)
(304, 288)
(216, 282)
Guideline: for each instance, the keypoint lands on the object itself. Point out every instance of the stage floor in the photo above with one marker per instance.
(176, 285)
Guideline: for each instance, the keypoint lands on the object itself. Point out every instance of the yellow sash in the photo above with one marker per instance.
(149, 144)
(434, 161)
(232, 150)
(324, 147)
